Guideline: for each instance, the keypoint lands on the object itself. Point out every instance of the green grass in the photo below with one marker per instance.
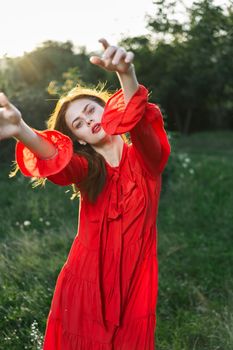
(31, 256)
(195, 305)
(195, 235)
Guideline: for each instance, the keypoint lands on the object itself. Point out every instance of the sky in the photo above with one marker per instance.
(25, 24)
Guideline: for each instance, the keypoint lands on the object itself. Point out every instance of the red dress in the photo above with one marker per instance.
(106, 293)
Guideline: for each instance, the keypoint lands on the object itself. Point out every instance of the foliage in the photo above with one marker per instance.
(185, 64)
(188, 65)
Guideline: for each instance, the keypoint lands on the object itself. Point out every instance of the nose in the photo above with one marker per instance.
(89, 121)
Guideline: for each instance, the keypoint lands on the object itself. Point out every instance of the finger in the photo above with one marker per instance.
(97, 60)
(109, 52)
(129, 57)
(120, 53)
(104, 42)
(4, 100)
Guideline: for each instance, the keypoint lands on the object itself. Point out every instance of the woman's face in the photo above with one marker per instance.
(81, 116)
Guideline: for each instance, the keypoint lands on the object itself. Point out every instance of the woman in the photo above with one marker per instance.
(106, 293)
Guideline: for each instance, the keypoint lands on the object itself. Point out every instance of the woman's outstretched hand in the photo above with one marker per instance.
(114, 59)
(10, 118)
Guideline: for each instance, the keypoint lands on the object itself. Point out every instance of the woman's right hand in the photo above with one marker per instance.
(10, 118)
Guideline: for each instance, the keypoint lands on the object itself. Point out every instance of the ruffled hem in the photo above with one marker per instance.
(57, 338)
(136, 335)
(31, 165)
(77, 342)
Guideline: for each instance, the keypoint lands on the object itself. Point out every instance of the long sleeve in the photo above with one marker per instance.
(145, 123)
(65, 168)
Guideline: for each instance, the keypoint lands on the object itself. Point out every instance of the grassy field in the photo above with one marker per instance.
(195, 236)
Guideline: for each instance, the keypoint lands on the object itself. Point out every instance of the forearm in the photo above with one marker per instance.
(128, 82)
(37, 144)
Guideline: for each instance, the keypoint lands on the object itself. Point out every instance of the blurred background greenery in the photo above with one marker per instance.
(188, 69)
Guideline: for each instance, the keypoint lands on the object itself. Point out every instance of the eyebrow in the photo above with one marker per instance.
(83, 111)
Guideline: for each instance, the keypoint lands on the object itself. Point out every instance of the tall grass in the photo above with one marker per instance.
(195, 304)
(36, 232)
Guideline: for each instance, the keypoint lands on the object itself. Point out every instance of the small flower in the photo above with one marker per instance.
(187, 160)
(36, 336)
(41, 219)
(191, 171)
(27, 223)
(182, 156)
(47, 223)
(184, 165)
(17, 223)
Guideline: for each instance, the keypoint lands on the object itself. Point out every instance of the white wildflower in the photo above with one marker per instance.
(182, 156)
(47, 223)
(27, 223)
(36, 336)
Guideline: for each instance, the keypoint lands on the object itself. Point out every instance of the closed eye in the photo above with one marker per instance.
(78, 124)
(90, 111)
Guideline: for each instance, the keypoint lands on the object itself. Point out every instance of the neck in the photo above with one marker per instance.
(111, 149)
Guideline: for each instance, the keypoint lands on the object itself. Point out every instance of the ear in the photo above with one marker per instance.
(82, 142)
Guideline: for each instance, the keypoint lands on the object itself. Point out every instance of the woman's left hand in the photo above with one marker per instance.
(114, 59)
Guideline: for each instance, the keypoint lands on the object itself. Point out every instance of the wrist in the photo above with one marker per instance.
(21, 128)
(24, 131)
(128, 78)
(129, 72)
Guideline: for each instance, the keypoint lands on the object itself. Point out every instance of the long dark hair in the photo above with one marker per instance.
(93, 184)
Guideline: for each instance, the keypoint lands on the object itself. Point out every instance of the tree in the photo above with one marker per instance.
(188, 64)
